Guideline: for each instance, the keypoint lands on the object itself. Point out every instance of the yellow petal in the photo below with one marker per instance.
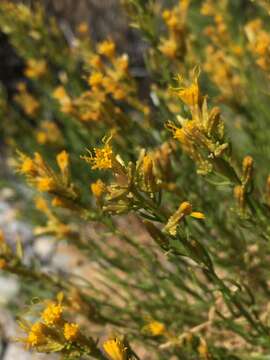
(197, 215)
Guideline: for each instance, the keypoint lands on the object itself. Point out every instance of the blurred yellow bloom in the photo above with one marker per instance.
(95, 79)
(155, 328)
(57, 202)
(63, 161)
(42, 176)
(36, 335)
(48, 132)
(96, 62)
(83, 28)
(98, 188)
(207, 8)
(203, 350)
(115, 349)
(122, 63)
(3, 264)
(170, 18)
(119, 94)
(45, 184)
(107, 48)
(190, 95)
(27, 166)
(63, 98)
(41, 137)
(71, 331)
(35, 68)
(41, 204)
(28, 103)
(169, 47)
(52, 314)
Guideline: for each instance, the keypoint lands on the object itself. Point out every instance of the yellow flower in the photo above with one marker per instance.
(190, 95)
(203, 350)
(122, 63)
(166, 14)
(107, 48)
(109, 84)
(115, 349)
(172, 22)
(48, 132)
(155, 328)
(3, 264)
(29, 104)
(27, 166)
(59, 93)
(96, 62)
(83, 28)
(119, 94)
(207, 9)
(52, 314)
(57, 202)
(102, 158)
(35, 68)
(36, 335)
(63, 161)
(185, 209)
(262, 45)
(168, 47)
(63, 98)
(170, 19)
(45, 184)
(186, 135)
(41, 204)
(98, 188)
(95, 79)
(41, 137)
(71, 331)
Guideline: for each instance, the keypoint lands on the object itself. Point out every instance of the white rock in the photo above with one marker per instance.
(9, 288)
(44, 247)
(16, 352)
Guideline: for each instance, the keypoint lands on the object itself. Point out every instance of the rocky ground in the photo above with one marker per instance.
(9, 286)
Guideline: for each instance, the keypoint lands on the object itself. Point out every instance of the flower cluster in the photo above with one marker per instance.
(202, 136)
